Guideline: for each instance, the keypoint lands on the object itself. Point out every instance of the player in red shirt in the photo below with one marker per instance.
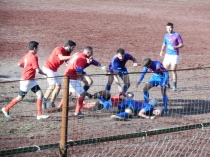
(30, 66)
(55, 60)
(75, 70)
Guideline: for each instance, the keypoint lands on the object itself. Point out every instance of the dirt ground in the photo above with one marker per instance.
(138, 27)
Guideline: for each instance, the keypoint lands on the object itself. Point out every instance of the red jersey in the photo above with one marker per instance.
(77, 60)
(29, 63)
(53, 62)
(116, 100)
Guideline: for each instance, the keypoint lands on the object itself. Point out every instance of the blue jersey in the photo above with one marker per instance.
(136, 106)
(119, 65)
(171, 40)
(159, 73)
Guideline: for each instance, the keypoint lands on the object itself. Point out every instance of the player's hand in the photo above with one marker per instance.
(135, 64)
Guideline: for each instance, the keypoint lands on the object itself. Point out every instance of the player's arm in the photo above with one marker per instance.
(38, 70)
(179, 46)
(141, 77)
(162, 49)
(98, 64)
(62, 58)
(142, 114)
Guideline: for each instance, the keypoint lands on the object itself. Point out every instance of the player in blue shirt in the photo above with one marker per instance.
(132, 107)
(159, 77)
(117, 66)
(172, 43)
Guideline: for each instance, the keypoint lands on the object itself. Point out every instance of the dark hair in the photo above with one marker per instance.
(107, 96)
(121, 51)
(32, 45)
(170, 24)
(89, 48)
(69, 43)
(146, 61)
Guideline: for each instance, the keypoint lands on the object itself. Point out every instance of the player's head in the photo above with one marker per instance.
(33, 46)
(69, 46)
(88, 50)
(106, 96)
(129, 95)
(157, 112)
(120, 54)
(147, 62)
(169, 27)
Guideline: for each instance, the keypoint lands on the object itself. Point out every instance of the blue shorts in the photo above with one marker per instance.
(121, 71)
(157, 80)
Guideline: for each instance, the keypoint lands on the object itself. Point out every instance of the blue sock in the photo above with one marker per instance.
(86, 88)
(125, 88)
(165, 102)
(123, 114)
(108, 87)
(146, 96)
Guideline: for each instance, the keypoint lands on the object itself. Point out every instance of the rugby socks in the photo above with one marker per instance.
(86, 88)
(146, 96)
(79, 104)
(165, 102)
(11, 104)
(125, 88)
(39, 107)
(87, 105)
(123, 114)
(108, 87)
(61, 103)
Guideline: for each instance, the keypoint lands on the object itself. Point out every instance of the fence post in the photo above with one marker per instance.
(64, 126)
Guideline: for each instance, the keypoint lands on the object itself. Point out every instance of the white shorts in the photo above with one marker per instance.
(171, 59)
(54, 79)
(75, 87)
(26, 85)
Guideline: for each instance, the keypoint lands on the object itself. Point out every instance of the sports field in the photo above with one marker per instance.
(138, 26)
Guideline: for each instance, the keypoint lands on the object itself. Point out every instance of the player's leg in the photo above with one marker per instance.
(88, 82)
(25, 85)
(174, 63)
(75, 86)
(36, 89)
(151, 83)
(165, 99)
(14, 101)
(109, 83)
(167, 64)
(58, 82)
(117, 81)
(51, 80)
(126, 81)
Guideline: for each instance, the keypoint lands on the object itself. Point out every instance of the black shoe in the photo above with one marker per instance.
(51, 104)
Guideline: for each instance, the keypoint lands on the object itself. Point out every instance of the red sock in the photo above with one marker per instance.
(61, 103)
(87, 105)
(79, 104)
(11, 104)
(39, 107)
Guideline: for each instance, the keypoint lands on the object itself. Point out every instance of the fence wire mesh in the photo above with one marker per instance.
(187, 106)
